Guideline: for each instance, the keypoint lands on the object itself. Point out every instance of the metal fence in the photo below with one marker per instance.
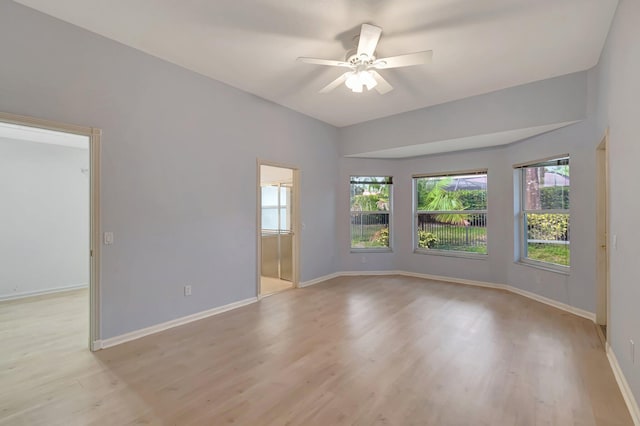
(365, 225)
(469, 233)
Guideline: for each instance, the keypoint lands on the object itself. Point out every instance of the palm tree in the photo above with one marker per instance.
(437, 198)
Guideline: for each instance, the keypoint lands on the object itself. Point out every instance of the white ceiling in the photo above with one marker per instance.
(479, 45)
(35, 134)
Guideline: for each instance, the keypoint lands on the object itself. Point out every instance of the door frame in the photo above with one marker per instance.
(94, 135)
(603, 312)
(295, 222)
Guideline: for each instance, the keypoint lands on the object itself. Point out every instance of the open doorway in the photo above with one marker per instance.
(277, 225)
(602, 233)
(48, 262)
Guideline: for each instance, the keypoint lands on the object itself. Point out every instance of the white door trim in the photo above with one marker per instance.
(295, 225)
(602, 232)
(94, 136)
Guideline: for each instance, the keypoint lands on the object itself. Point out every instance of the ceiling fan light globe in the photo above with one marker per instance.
(367, 79)
(353, 81)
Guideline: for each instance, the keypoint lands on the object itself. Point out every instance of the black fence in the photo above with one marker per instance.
(467, 233)
(365, 226)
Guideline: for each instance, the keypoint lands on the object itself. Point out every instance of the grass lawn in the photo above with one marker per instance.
(554, 253)
(463, 248)
(365, 244)
(362, 236)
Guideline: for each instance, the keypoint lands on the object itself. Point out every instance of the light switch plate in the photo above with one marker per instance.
(108, 238)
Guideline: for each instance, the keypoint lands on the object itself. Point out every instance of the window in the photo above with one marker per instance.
(451, 212)
(370, 212)
(544, 212)
(275, 207)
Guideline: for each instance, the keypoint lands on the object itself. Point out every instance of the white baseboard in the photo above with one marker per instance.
(113, 341)
(22, 295)
(563, 306)
(367, 273)
(344, 274)
(453, 280)
(559, 305)
(629, 399)
(318, 280)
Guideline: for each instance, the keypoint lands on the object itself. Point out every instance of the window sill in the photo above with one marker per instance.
(562, 270)
(371, 250)
(464, 255)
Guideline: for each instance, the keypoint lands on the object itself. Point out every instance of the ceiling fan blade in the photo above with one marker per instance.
(335, 83)
(327, 62)
(369, 36)
(383, 85)
(408, 60)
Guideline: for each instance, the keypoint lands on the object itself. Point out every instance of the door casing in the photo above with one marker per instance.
(602, 232)
(295, 221)
(94, 135)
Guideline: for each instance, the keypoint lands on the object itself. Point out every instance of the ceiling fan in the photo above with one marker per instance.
(363, 64)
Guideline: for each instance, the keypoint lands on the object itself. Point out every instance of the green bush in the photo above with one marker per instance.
(426, 239)
(474, 199)
(554, 197)
(381, 237)
(551, 197)
(548, 226)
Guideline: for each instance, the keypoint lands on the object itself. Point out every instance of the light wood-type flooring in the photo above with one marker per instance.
(270, 285)
(353, 350)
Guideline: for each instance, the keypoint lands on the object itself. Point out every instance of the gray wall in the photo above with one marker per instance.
(619, 86)
(44, 218)
(178, 166)
(556, 100)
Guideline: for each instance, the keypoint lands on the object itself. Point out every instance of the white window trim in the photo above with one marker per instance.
(545, 266)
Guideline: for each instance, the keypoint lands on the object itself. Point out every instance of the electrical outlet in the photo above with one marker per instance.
(632, 349)
(187, 290)
(363, 259)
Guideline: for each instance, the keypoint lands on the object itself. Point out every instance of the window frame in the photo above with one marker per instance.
(389, 214)
(523, 247)
(416, 213)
